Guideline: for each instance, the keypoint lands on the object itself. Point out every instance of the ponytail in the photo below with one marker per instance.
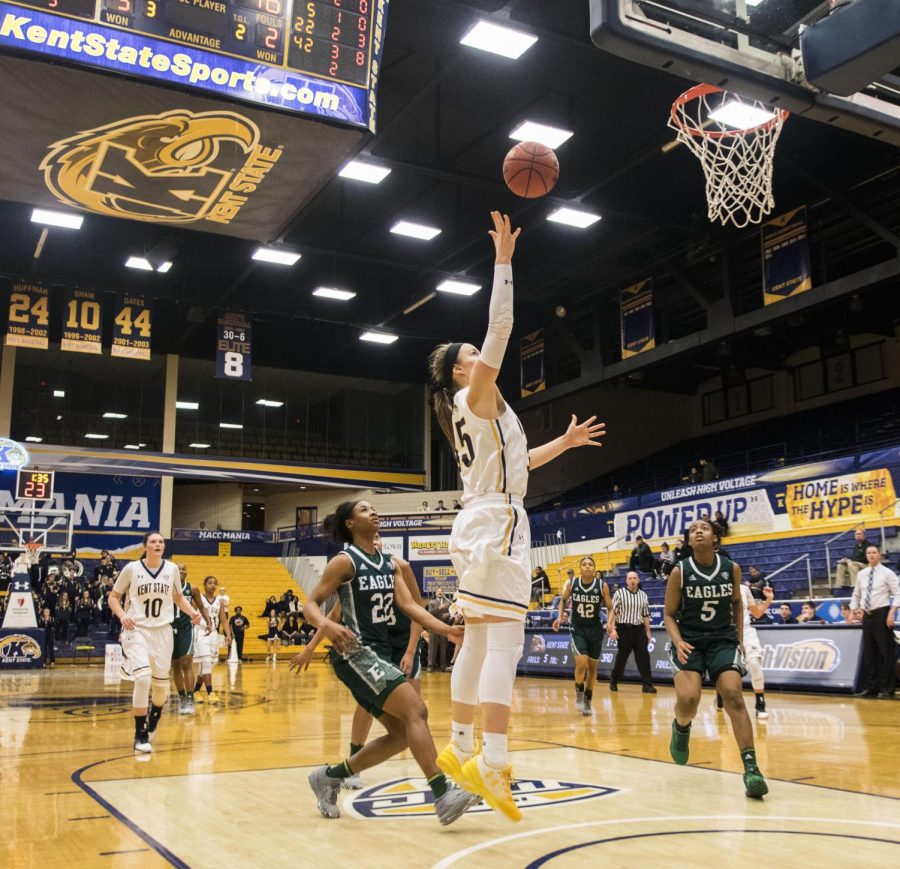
(335, 524)
(441, 395)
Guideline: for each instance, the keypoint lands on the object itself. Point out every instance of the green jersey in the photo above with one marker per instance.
(367, 599)
(586, 603)
(182, 620)
(706, 599)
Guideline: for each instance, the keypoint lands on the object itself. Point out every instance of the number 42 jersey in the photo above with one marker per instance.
(151, 593)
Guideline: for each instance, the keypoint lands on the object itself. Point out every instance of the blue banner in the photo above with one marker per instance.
(224, 536)
(786, 256)
(531, 363)
(636, 313)
(233, 347)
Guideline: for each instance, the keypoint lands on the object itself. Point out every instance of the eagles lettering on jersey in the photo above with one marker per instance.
(706, 599)
(367, 599)
(150, 593)
(492, 453)
(586, 602)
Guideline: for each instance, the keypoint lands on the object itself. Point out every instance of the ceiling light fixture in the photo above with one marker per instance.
(131, 447)
(532, 131)
(276, 256)
(138, 262)
(59, 393)
(49, 217)
(573, 217)
(505, 41)
(32, 439)
(459, 288)
(267, 402)
(415, 230)
(334, 293)
(198, 446)
(96, 437)
(740, 115)
(111, 415)
(357, 170)
(187, 405)
(378, 337)
(236, 425)
(164, 267)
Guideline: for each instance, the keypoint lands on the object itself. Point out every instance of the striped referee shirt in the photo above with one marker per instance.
(631, 607)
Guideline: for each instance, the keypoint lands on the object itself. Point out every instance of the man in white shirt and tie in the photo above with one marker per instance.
(875, 600)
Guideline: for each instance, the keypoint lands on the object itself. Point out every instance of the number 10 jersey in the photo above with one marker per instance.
(151, 593)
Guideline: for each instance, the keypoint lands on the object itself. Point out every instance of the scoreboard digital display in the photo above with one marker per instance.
(34, 485)
(313, 56)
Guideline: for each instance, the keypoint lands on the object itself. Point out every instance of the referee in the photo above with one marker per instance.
(875, 600)
(633, 626)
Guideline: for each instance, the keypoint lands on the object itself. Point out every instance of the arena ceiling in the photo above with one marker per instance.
(445, 112)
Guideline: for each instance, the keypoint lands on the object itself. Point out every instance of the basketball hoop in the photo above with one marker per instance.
(737, 162)
(33, 548)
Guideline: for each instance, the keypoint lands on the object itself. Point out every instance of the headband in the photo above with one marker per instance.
(450, 358)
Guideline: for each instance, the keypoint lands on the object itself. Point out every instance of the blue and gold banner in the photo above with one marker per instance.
(531, 363)
(29, 317)
(233, 346)
(636, 313)
(785, 247)
(131, 328)
(82, 322)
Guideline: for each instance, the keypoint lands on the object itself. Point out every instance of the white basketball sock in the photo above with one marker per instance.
(496, 754)
(463, 738)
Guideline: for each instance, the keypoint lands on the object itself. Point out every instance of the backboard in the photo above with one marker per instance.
(757, 48)
(51, 528)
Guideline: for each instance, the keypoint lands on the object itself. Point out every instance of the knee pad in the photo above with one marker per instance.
(206, 666)
(468, 665)
(159, 691)
(140, 697)
(505, 641)
(754, 667)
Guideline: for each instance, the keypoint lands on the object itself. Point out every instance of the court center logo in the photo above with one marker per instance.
(175, 167)
(412, 798)
(19, 649)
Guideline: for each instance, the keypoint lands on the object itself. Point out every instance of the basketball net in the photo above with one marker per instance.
(33, 549)
(737, 163)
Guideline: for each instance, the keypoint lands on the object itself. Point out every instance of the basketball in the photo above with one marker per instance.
(530, 170)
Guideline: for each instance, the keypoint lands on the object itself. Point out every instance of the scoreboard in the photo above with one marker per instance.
(318, 57)
(34, 485)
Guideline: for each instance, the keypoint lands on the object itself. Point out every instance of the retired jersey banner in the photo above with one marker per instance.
(82, 322)
(636, 314)
(131, 328)
(233, 346)
(785, 247)
(28, 317)
(531, 363)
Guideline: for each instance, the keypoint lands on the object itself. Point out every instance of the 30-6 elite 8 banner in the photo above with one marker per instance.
(29, 317)
(531, 359)
(636, 312)
(786, 256)
(82, 322)
(131, 328)
(233, 347)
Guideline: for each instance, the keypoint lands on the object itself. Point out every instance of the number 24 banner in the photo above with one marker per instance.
(131, 328)
(233, 344)
(28, 317)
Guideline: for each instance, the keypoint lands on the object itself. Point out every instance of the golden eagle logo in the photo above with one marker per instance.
(169, 168)
(19, 646)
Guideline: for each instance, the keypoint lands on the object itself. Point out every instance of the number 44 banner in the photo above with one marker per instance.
(131, 328)
(233, 346)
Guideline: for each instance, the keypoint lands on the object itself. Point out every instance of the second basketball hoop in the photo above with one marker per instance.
(734, 138)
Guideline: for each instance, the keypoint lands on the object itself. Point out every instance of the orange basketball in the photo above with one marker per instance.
(530, 170)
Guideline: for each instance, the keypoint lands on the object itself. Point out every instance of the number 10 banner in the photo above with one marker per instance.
(233, 346)
(82, 322)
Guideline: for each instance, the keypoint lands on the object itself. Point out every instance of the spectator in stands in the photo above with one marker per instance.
(456, 506)
(84, 612)
(307, 630)
(219, 526)
(682, 549)
(202, 526)
(271, 604)
(424, 508)
(666, 560)
(440, 508)
(290, 631)
(787, 614)
(540, 584)
(290, 603)
(616, 493)
(721, 524)
(708, 470)
(50, 591)
(693, 476)
(106, 567)
(271, 637)
(641, 556)
(847, 568)
(876, 600)
(808, 615)
(758, 582)
(64, 616)
(439, 607)
(848, 615)
(239, 623)
(47, 622)
(6, 566)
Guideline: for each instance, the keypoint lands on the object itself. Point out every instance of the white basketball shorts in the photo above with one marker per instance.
(205, 645)
(490, 546)
(148, 650)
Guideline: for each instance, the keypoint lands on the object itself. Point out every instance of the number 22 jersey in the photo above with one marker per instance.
(367, 599)
(151, 593)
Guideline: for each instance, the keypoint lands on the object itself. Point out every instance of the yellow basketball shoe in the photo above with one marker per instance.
(213, 698)
(450, 761)
(494, 785)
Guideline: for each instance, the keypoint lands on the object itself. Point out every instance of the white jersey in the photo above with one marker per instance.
(492, 453)
(151, 593)
(215, 608)
(747, 598)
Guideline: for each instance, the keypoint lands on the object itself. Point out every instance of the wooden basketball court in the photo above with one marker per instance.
(228, 786)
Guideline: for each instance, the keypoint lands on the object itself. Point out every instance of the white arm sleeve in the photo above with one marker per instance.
(500, 320)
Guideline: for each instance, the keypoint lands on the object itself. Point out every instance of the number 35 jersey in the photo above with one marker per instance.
(367, 599)
(151, 593)
(492, 453)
